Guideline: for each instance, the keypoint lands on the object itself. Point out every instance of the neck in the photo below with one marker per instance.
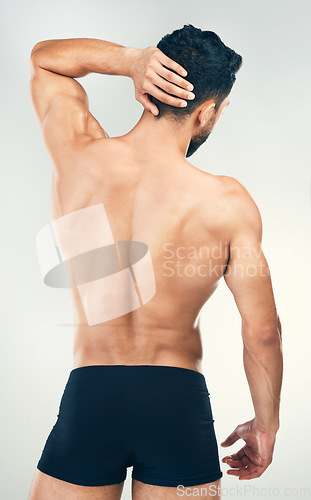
(152, 135)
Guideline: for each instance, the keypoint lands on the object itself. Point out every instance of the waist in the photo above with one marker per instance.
(81, 361)
(137, 374)
(149, 347)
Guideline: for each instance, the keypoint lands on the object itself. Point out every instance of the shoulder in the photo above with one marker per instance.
(242, 208)
(238, 195)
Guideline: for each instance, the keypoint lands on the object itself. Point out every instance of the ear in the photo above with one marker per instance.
(206, 111)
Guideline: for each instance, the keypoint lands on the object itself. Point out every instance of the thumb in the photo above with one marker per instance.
(148, 105)
(232, 438)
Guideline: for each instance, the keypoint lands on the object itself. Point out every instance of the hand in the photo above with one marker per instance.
(254, 458)
(148, 73)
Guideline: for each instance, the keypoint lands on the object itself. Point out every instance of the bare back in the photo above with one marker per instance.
(197, 228)
(181, 213)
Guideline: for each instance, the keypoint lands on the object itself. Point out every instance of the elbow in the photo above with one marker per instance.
(266, 336)
(270, 339)
(35, 58)
(36, 47)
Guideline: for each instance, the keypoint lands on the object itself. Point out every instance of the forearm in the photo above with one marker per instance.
(263, 364)
(77, 57)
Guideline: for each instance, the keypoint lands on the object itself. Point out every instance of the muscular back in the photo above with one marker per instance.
(192, 222)
(182, 214)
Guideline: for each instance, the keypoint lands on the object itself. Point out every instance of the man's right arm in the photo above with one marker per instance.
(247, 276)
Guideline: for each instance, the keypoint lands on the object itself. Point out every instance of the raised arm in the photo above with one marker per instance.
(249, 280)
(151, 70)
(61, 103)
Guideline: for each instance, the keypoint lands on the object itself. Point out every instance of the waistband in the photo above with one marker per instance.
(139, 372)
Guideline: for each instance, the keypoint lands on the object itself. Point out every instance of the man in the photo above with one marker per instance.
(136, 395)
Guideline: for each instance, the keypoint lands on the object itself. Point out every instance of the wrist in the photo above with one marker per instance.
(129, 58)
(268, 427)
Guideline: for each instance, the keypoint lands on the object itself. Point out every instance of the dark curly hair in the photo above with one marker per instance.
(210, 64)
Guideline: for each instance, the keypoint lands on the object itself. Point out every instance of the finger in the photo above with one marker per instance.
(234, 472)
(148, 105)
(238, 471)
(256, 473)
(171, 88)
(235, 464)
(238, 459)
(238, 455)
(169, 63)
(238, 463)
(251, 476)
(172, 77)
(252, 471)
(162, 96)
(243, 478)
(232, 438)
(252, 468)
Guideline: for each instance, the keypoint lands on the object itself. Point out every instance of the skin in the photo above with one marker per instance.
(153, 194)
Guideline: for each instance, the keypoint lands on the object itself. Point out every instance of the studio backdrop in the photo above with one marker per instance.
(262, 140)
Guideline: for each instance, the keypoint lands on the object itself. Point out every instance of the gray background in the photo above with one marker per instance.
(262, 140)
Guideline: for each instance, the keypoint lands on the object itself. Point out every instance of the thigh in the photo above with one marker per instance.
(46, 487)
(142, 491)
